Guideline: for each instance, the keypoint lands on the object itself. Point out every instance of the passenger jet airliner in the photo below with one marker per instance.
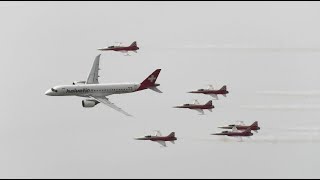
(96, 93)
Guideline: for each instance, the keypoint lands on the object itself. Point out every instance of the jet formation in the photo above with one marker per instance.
(96, 92)
(254, 127)
(236, 133)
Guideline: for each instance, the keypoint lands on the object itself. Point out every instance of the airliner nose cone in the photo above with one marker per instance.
(48, 93)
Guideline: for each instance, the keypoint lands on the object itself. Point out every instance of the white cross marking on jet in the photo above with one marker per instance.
(151, 78)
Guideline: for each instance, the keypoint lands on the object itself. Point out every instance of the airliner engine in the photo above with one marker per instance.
(89, 103)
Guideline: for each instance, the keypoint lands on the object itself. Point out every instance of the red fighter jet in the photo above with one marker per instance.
(159, 138)
(197, 106)
(212, 92)
(254, 127)
(236, 133)
(124, 49)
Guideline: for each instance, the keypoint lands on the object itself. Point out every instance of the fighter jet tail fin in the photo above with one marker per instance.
(209, 103)
(248, 130)
(173, 134)
(224, 88)
(134, 44)
(149, 82)
(255, 124)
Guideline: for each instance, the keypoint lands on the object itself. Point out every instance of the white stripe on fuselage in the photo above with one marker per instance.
(96, 90)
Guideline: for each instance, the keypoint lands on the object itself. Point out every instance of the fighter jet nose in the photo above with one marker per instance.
(139, 139)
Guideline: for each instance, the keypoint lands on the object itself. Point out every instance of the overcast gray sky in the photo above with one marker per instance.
(266, 52)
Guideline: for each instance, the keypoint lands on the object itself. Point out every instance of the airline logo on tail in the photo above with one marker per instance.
(152, 78)
(149, 82)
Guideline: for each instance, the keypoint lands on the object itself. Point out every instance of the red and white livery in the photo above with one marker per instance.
(124, 49)
(96, 93)
(160, 139)
(212, 92)
(197, 106)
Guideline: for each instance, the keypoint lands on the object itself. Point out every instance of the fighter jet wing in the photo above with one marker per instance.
(163, 143)
(93, 77)
(196, 102)
(210, 87)
(106, 101)
(200, 111)
(241, 123)
(235, 129)
(215, 96)
(158, 133)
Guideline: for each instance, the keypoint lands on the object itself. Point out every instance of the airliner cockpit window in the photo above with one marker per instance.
(54, 90)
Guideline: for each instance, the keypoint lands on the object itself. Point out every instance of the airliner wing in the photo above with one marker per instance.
(106, 101)
(162, 143)
(93, 77)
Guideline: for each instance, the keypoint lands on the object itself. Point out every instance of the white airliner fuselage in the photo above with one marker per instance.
(89, 90)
